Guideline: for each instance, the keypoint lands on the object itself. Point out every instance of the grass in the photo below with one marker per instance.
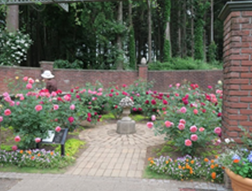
(148, 173)
(12, 168)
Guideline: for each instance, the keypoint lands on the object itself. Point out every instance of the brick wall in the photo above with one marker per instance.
(237, 98)
(69, 78)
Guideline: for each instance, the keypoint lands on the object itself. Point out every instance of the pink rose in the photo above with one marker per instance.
(14, 147)
(188, 142)
(31, 81)
(25, 78)
(217, 130)
(149, 125)
(6, 94)
(38, 107)
(165, 102)
(99, 93)
(201, 129)
(72, 107)
(195, 111)
(53, 94)
(153, 117)
(12, 103)
(37, 140)
(177, 84)
(182, 121)
(100, 89)
(55, 107)
(183, 110)
(17, 139)
(210, 87)
(29, 86)
(17, 103)
(153, 102)
(7, 112)
(58, 129)
(194, 137)
(67, 97)
(168, 124)
(21, 98)
(193, 129)
(1, 118)
(7, 99)
(181, 126)
(71, 119)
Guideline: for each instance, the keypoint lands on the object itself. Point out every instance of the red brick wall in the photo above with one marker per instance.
(68, 78)
(237, 98)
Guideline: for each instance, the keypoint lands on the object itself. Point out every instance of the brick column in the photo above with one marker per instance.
(237, 69)
(143, 72)
(46, 65)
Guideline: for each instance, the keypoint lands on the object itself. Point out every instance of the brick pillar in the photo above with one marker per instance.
(46, 65)
(237, 69)
(143, 72)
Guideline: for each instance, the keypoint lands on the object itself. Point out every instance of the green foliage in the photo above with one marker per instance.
(13, 47)
(201, 8)
(71, 146)
(212, 51)
(183, 64)
(77, 64)
(167, 49)
(132, 49)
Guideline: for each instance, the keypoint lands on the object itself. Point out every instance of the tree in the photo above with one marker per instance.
(167, 40)
(132, 49)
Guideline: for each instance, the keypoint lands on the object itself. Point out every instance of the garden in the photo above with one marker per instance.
(188, 116)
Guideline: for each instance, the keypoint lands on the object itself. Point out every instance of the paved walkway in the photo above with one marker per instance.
(112, 162)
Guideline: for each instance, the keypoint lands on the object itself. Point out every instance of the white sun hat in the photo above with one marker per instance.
(47, 74)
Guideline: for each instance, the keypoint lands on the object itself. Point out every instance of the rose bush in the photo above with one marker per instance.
(192, 118)
(32, 114)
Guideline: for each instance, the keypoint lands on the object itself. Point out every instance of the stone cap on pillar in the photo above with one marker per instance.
(232, 6)
(46, 65)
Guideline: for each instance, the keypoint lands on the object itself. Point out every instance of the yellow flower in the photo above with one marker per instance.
(192, 162)
(16, 77)
(1, 106)
(212, 166)
(150, 158)
(167, 162)
(212, 161)
(213, 175)
(206, 159)
(21, 151)
(51, 153)
(39, 154)
(37, 80)
(179, 167)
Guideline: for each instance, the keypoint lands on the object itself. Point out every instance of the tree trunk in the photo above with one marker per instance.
(183, 35)
(192, 29)
(167, 41)
(212, 20)
(149, 30)
(119, 39)
(12, 18)
(179, 33)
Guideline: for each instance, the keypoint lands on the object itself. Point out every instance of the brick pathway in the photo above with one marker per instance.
(114, 155)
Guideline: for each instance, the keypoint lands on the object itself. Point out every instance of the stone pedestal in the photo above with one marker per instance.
(126, 126)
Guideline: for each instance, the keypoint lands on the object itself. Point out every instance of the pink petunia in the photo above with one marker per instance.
(58, 129)
(194, 137)
(168, 124)
(188, 142)
(201, 129)
(217, 130)
(1, 118)
(181, 126)
(38, 107)
(29, 86)
(37, 139)
(149, 125)
(183, 110)
(153, 117)
(7, 112)
(17, 138)
(193, 129)
(55, 107)
(72, 107)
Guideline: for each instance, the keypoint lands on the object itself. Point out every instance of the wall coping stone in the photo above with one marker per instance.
(87, 70)
(184, 70)
(235, 6)
(21, 67)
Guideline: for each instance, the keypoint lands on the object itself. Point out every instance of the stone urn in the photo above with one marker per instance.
(126, 125)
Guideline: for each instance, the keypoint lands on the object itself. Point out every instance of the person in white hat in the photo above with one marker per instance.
(51, 83)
